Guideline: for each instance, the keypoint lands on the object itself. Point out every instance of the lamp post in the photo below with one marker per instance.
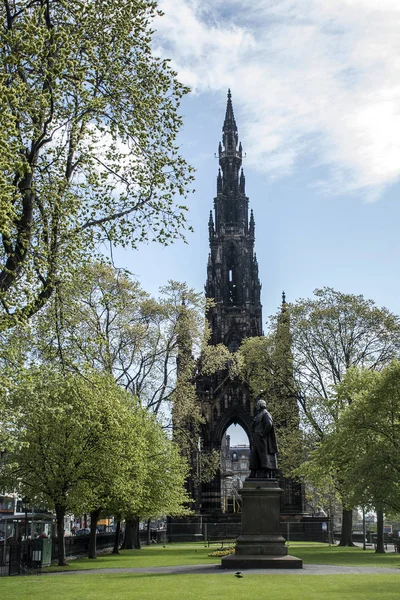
(364, 529)
(25, 503)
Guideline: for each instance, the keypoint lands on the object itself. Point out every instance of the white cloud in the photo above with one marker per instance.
(315, 78)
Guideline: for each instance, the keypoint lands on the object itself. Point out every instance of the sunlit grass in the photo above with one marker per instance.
(159, 555)
(128, 586)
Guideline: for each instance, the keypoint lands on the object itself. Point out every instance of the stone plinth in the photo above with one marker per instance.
(260, 544)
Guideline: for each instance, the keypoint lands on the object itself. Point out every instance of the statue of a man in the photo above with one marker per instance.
(263, 462)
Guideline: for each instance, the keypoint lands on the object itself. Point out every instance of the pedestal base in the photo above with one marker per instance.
(235, 561)
(260, 544)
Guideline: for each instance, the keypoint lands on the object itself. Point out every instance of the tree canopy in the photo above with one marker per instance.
(82, 444)
(332, 333)
(88, 123)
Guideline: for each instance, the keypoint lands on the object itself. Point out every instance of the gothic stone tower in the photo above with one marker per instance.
(232, 271)
(233, 283)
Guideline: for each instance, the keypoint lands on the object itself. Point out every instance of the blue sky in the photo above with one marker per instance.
(316, 94)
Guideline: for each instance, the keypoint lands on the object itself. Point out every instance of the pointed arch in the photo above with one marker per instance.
(237, 416)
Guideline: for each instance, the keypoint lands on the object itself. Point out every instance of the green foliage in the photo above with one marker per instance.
(162, 488)
(88, 124)
(365, 446)
(69, 435)
(266, 364)
(82, 443)
(103, 320)
(331, 333)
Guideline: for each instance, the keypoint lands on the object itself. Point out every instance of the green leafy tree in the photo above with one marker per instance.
(162, 490)
(364, 448)
(88, 123)
(69, 432)
(330, 334)
(105, 320)
(102, 318)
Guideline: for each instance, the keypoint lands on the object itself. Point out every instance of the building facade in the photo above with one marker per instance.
(234, 470)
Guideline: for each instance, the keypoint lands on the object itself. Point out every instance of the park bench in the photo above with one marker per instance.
(217, 539)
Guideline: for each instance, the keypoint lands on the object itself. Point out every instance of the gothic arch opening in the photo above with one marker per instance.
(232, 275)
(235, 455)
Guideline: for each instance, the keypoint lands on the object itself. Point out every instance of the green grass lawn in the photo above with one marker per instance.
(191, 554)
(149, 556)
(224, 586)
(322, 554)
(129, 586)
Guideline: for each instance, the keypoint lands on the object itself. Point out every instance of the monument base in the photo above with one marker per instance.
(236, 561)
(260, 545)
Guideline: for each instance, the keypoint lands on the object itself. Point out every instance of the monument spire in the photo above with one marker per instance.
(229, 129)
(236, 312)
(232, 272)
(230, 152)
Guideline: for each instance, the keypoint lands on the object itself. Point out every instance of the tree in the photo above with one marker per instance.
(102, 318)
(162, 490)
(104, 321)
(365, 445)
(88, 124)
(266, 363)
(330, 334)
(70, 451)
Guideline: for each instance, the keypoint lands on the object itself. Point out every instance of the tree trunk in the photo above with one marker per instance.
(380, 542)
(116, 538)
(128, 537)
(346, 538)
(136, 534)
(148, 532)
(60, 514)
(94, 517)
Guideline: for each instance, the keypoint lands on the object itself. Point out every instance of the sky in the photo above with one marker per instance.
(316, 95)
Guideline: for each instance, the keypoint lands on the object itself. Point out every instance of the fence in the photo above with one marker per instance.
(18, 558)
(79, 544)
(311, 530)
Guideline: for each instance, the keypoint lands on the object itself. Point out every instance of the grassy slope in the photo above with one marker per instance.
(201, 587)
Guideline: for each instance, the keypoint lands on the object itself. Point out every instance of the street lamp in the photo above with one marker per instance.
(25, 504)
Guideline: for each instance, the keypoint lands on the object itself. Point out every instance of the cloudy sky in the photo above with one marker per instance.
(316, 94)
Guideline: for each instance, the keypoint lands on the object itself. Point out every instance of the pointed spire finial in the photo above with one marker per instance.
(219, 181)
(283, 298)
(230, 123)
(251, 224)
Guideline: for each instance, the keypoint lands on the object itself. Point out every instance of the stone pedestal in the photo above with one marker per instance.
(260, 544)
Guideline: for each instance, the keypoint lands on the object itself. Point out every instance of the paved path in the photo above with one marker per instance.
(216, 570)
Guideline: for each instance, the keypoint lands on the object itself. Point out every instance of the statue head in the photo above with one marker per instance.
(260, 404)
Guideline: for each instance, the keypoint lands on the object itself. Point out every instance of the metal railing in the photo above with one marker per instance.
(302, 530)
